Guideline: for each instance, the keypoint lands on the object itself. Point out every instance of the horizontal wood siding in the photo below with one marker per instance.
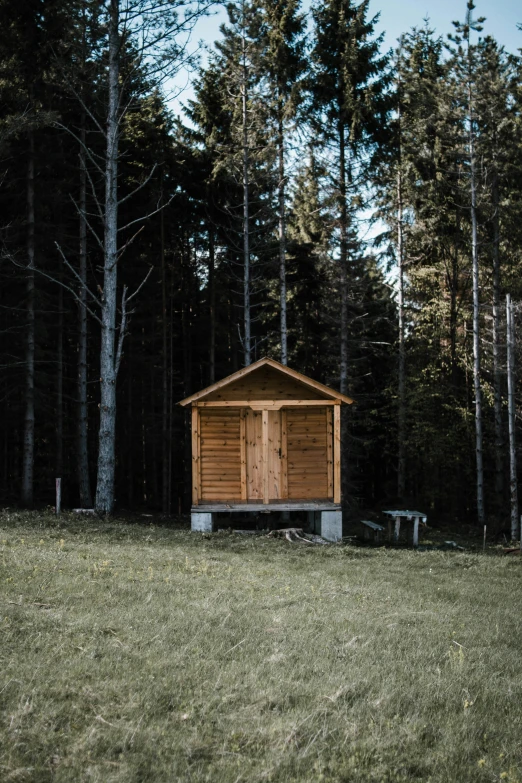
(264, 384)
(220, 454)
(307, 453)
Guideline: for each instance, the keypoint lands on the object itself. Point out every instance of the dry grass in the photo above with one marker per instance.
(133, 653)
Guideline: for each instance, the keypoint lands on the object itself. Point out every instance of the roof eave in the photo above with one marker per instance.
(309, 382)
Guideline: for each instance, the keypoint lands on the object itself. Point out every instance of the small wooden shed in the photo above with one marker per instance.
(267, 436)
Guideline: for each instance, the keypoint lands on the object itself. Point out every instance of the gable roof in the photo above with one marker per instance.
(283, 369)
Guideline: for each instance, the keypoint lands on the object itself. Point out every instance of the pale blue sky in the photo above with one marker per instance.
(399, 16)
(502, 16)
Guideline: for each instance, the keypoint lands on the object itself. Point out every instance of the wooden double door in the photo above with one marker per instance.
(292, 458)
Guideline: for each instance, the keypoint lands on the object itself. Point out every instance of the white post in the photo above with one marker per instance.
(416, 532)
(58, 495)
(397, 528)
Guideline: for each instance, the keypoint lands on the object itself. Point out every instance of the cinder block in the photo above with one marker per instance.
(332, 525)
(201, 522)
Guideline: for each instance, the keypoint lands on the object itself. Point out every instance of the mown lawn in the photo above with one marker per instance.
(142, 653)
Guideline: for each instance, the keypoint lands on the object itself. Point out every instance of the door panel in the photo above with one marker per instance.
(254, 454)
(263, 460)
(274, 455)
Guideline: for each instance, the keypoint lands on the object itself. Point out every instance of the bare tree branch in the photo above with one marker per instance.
(139, 187)
(136, 292)
(58, 282)
(131, 240)
(77, 276)
(146, 217)
(123, 326)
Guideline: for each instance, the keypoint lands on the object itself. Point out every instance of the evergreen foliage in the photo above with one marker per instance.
(250, 210)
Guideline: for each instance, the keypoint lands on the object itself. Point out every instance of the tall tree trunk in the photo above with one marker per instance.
(152, 462)
(246, 239)
(282, 239)
(59, 388)
(107, 432)
(513, 485)
(131, 430)
(476, 320)
(401, 463)
(497, 377)
(453, 283)
(165, 483)
(343, 260)
(186, 317)
(83, 416)
(401, 418)
(211, 306)
(187, 374)
(28, 443)
(171, 395)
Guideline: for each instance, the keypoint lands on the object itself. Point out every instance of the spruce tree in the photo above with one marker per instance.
(465, 61)
(283, 65)
(349, 108)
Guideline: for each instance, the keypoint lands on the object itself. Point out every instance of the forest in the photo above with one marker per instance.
(351, 212)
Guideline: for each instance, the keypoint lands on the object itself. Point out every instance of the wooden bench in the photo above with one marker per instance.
(372, 529)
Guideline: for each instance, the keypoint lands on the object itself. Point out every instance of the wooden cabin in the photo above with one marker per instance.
(267, 436)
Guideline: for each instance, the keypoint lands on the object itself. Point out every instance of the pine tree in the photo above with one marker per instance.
(235, 126)
(142, 39)
(466, 59)
(349, 113)
(282, 63)
(495, 145)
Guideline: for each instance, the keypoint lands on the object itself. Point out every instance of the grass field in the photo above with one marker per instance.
(133, 652)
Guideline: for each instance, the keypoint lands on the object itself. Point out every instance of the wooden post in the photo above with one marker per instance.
(284, 455)
(195, 456)
(243, 452)
(329, 452)
(264, 442)
(337, 454)
(58, 495)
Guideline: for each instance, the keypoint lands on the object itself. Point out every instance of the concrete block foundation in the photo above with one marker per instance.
(325, 522)
(331, 525)
(201, 522)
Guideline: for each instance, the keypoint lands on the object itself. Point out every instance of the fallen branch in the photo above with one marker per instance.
(293, 535)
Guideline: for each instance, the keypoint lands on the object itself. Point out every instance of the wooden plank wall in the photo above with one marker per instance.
(196, 464)
(290, 454)
(220, 454)
(307, 453)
